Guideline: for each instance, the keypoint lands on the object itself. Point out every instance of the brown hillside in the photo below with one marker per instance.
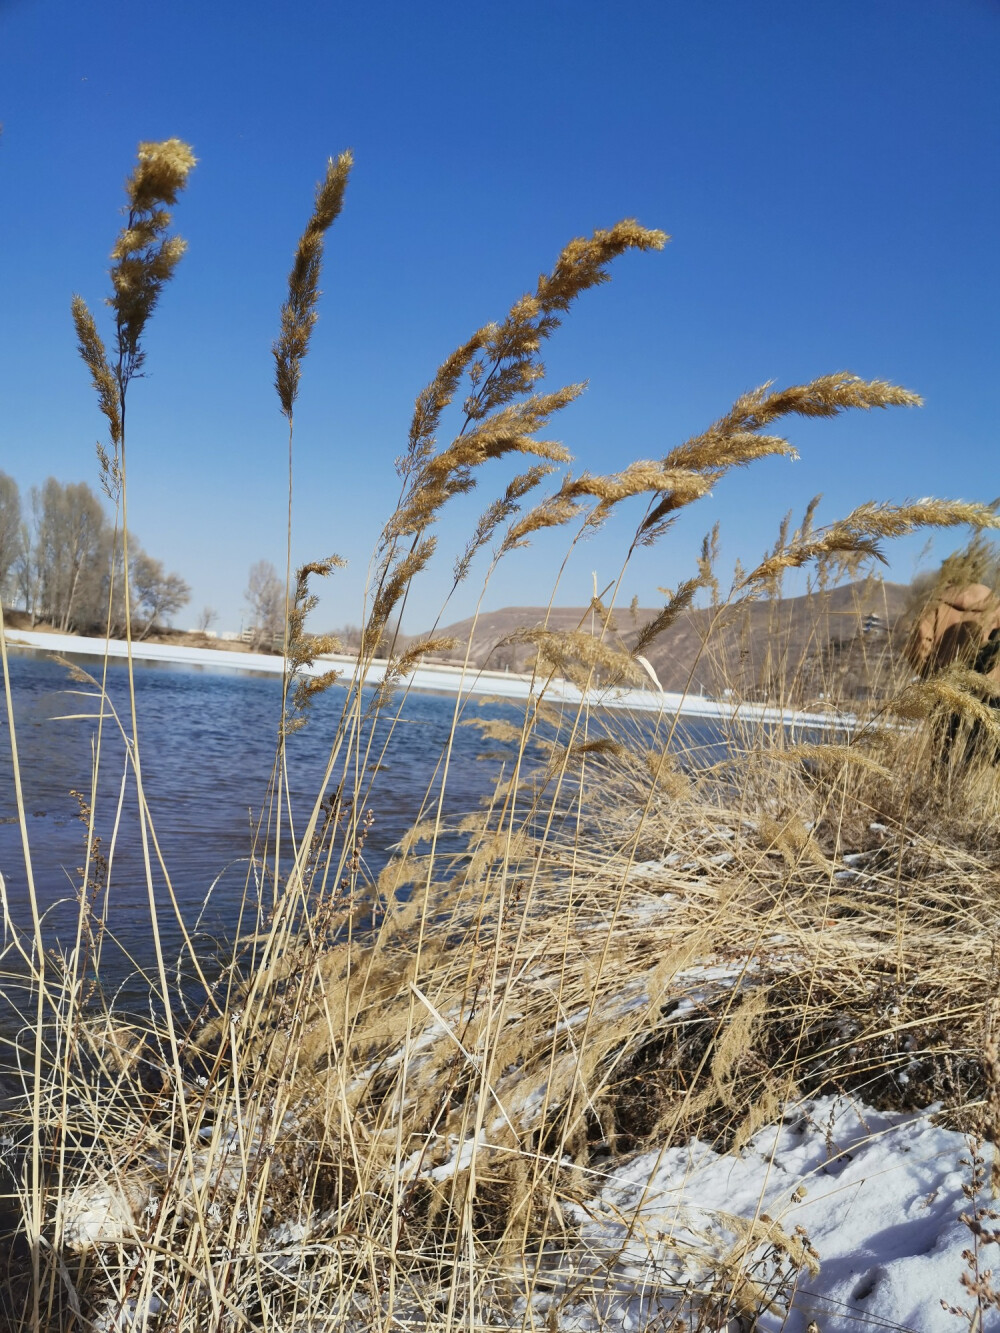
(834, 641)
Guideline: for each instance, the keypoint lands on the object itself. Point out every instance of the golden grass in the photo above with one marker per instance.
(385, 1126)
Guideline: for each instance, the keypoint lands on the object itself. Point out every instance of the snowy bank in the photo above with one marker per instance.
(435, 677)
(879, 1197)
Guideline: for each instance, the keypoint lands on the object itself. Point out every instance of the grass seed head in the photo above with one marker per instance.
(144, 255)
(299, 312)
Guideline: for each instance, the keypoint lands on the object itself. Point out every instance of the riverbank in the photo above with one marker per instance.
(708, 1051)
(732, 1079)
(432, 677)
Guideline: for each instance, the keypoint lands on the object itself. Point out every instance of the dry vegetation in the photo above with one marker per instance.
(830, 639)
(394, 1125)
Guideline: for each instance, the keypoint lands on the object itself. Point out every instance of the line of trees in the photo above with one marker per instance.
(63, 563)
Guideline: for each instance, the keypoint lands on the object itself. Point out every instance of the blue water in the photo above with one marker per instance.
(207, 744)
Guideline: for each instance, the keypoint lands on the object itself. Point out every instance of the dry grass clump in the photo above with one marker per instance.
(385, 1123)
(393, 1105)
(390, 1122)
(865, 918)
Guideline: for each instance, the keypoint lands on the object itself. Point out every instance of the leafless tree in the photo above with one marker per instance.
(157, 594)
(69, 566)
(73, 547)
(265, 596)
(10, 532)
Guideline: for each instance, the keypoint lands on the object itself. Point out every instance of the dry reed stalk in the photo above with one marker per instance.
(366, 1128)
(501, 414)
(144, 258)
(661, 953)
(299, 314)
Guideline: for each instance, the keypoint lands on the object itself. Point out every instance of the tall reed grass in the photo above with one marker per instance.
(392, 1105)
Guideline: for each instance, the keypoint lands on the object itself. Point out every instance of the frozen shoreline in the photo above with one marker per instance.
(434, 677)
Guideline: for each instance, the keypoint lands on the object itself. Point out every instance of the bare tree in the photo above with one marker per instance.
(67, 565)
(207, 619)
(73, 549)
(157, 594)
(265, 597)
(10, 532)
(350, 637)
(26, 576)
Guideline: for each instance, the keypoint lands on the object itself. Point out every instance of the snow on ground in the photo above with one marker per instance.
(878, 1195)
(436, 677)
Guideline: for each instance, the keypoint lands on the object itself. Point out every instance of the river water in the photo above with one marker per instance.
(207, 744)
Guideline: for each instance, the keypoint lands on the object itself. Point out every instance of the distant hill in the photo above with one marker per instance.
(835, 641)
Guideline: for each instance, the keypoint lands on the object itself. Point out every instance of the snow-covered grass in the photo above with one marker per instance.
(838, 1214)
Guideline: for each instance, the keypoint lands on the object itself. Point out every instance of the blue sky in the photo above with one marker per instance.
(827, 172)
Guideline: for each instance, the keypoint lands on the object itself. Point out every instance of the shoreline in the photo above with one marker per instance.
(431, 677)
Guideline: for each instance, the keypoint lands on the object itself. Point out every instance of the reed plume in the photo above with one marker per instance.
(500, 511)
(639, 478)
(679, 602)
(864, 529)
(707, 559)
(555, 511)
(144, 258)
(502, 414)
(954, 690)
(576, 655)
(402, 666)
(736, 440)
(303, 648)
(92, 351)
(299, 312)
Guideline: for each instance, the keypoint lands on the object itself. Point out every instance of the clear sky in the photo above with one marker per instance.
(828, 172)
